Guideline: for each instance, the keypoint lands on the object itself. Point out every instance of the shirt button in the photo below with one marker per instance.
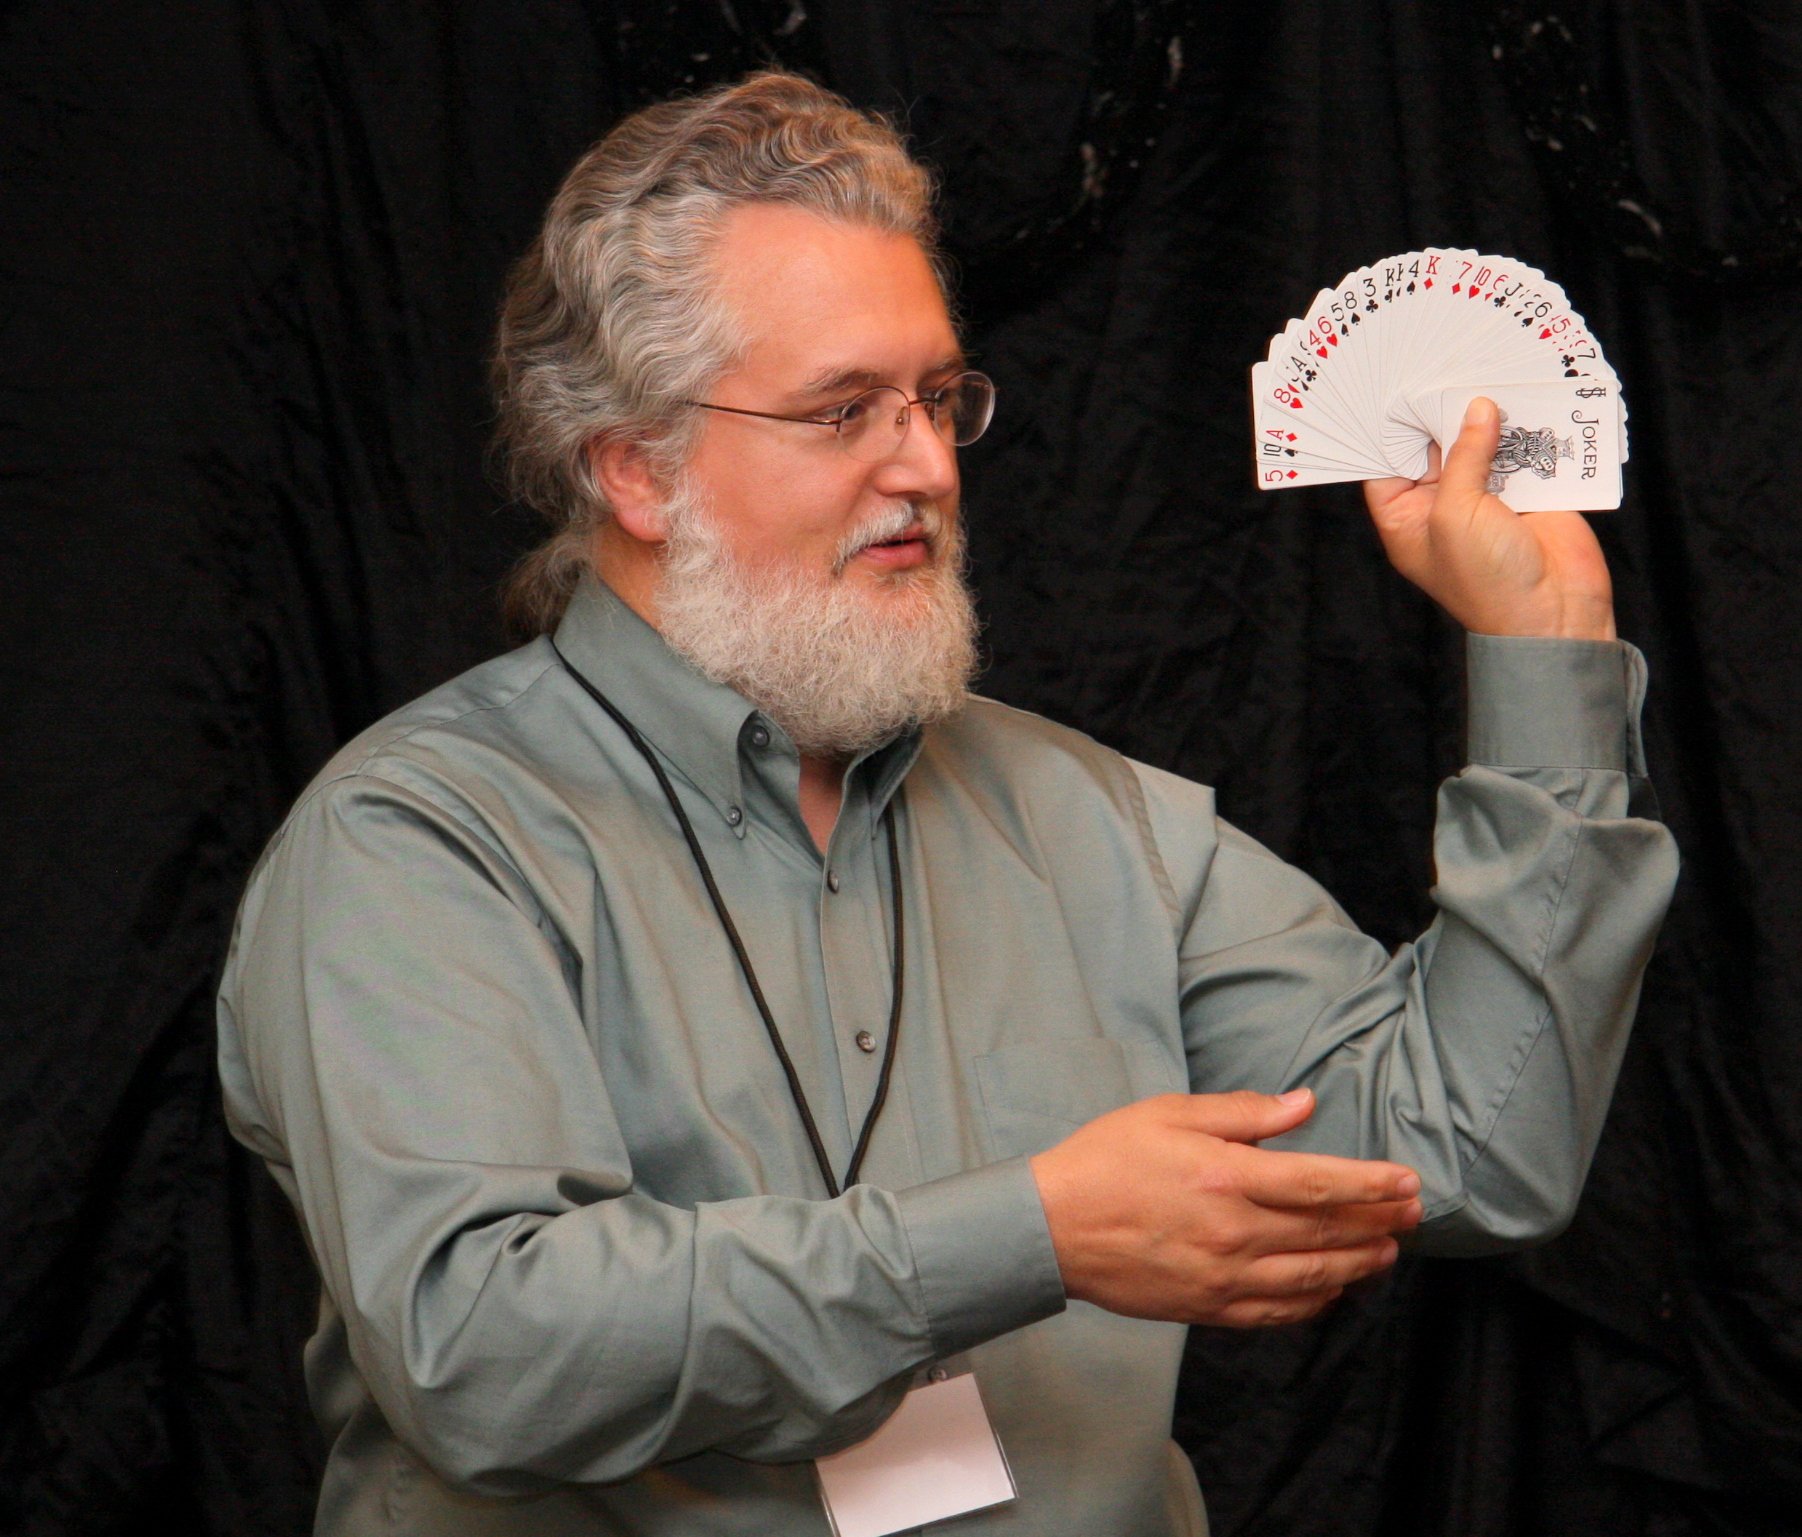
(865, 1041)
(759, 737)
(832, 880)
(734, 816)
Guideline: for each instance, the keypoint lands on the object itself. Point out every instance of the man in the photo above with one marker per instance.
(689, 1034)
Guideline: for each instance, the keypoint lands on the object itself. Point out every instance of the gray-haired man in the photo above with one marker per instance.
(702, 1030)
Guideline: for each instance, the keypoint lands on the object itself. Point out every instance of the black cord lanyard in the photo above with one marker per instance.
(796, 1092)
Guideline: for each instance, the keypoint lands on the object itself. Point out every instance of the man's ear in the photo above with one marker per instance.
(622, 469)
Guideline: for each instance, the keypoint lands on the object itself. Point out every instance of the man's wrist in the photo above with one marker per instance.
(1572, 617)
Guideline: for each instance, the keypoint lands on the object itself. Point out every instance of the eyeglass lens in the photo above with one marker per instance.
(872, 426)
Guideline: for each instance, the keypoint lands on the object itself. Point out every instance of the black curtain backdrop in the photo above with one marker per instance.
(250, 262)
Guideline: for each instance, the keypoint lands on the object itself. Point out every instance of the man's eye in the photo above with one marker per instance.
(851, 412)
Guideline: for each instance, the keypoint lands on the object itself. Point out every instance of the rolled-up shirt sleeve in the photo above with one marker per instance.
(401, 1041)
(1483, 1054)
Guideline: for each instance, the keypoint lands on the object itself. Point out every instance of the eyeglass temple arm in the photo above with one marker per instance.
(768, 416)
(931, 401)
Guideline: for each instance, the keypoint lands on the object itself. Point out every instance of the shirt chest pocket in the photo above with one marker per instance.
(1035, 1095)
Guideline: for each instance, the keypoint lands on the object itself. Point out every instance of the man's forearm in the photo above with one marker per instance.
(1483, 1054)
(399, 1039)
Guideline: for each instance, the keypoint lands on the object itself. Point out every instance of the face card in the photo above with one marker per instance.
(1560, 442)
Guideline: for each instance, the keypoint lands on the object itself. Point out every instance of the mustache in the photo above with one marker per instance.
(890, 524)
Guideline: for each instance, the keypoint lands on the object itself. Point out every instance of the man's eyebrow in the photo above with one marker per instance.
(832, 380)
(836, 380)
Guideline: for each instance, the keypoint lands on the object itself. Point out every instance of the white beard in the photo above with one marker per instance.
(842, 669)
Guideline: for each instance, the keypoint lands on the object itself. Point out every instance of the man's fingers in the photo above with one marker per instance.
(1267, 1312)
(1243, 1116)
(1307, 1181)
(1465, 475)
(1380, 493)
(1290, 1288)
(1319, 1270)
(1274, 1230)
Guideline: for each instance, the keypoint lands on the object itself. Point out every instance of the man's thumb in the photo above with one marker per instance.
(1243, 1116)
(1467, 466)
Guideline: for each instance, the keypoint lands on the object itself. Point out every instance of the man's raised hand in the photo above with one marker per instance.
(1493, 570)
(1166, 1209)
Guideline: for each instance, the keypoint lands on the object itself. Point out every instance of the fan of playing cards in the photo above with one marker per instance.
(1383, 364)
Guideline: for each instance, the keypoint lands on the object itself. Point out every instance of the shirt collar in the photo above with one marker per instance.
(699, 726)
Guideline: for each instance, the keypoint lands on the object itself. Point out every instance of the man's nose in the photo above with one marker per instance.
(924, 464)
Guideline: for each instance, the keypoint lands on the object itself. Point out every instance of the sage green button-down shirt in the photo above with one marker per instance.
(580, 1274)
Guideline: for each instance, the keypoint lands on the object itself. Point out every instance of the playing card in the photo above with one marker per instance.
(1560, 442)
(1357, 387)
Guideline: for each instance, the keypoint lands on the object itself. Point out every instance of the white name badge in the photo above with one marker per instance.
(936, 1457)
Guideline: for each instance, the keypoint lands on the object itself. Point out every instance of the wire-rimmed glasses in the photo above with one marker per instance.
(872, 426)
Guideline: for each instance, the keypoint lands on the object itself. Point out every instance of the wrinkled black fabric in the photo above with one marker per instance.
(251, 262)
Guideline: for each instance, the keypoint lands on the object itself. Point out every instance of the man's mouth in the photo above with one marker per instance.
(897, 548)
(911, 547)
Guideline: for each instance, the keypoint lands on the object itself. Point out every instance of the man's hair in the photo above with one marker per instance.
(611, 320)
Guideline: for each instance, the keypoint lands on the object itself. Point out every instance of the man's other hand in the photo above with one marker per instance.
(1493, 570)
(1166, 1209)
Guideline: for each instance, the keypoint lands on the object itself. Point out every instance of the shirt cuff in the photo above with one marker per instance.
(1545, 703)
(983, 1254)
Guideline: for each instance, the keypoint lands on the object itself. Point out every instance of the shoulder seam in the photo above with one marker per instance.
(493, 849)
(1135, 794)
(362, 769)
(1121, 768)
(479, 709)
